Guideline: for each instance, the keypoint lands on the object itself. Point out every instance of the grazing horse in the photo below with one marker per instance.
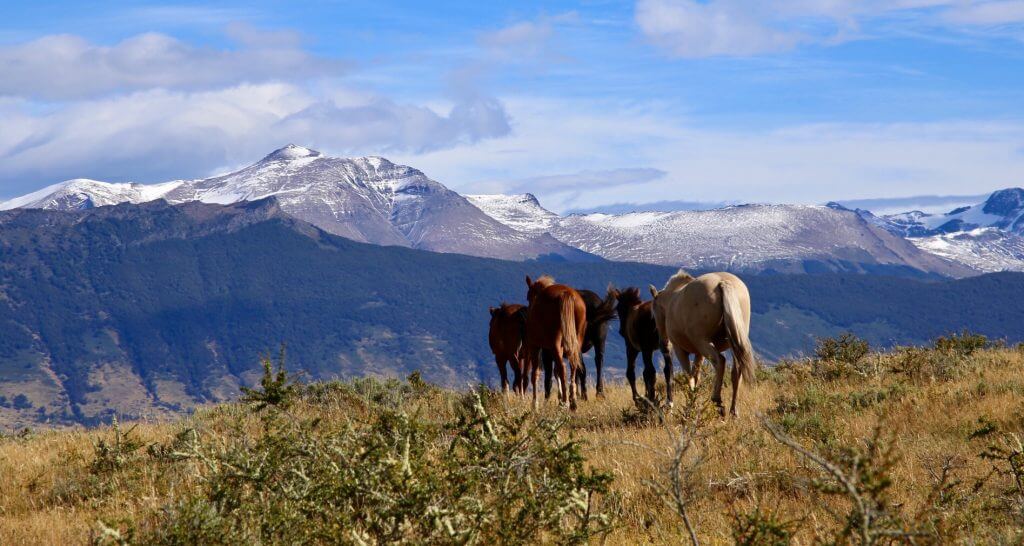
(556, 321)
(705, 316)
(508, 327)
(599, 314)
(637, 327)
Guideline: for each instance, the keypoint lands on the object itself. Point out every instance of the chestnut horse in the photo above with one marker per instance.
(599, 314)
(705, 316)
(637, 327)
(508, 327)
(556, 320)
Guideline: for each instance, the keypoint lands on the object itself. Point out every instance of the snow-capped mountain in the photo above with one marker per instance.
(367, 199)
(789, 238)
(988, 236)
(371, 199)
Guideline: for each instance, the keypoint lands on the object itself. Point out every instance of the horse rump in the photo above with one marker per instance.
(737, 331)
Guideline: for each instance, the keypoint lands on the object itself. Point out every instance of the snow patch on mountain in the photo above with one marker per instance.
(985, 249)
(522, 212)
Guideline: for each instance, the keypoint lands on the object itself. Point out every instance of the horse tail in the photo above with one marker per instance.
(571, 342)
(736, 331)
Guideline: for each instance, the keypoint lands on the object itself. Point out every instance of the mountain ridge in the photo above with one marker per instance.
(370, 199)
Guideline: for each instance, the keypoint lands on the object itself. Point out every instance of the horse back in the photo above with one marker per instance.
(543, 320)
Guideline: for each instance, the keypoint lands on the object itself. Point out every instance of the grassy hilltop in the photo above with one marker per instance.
(909, 446)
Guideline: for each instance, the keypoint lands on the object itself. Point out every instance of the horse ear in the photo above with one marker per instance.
(528, 281)
(654, 291)
(612, 291)
(493, 310)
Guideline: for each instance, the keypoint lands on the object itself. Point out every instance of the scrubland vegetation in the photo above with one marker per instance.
(909, 446)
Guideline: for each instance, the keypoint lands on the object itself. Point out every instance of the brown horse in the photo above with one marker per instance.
(508, 328)
(556, 321)
(599, 314)
(705, 316)
(637, 327)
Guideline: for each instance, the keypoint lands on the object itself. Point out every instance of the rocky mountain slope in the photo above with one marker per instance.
(372, 200)
(367, 199)
(776, 238)
(988, 236)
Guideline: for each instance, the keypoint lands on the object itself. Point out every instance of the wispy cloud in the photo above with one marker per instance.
(588, 179)
(692, 28)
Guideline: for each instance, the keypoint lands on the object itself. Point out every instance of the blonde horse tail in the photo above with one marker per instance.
(571, 342)
(736, 331)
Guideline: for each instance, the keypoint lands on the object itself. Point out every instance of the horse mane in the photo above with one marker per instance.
(544, 281)
(630, 296)
(677, 281)
(604, 312)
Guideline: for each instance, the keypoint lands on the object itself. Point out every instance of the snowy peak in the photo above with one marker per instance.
(291, 152)
(522, 212)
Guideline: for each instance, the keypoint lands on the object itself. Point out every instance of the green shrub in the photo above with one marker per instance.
(393, 478)
(276, 389)
(847, 348)
(962, 344)
(760, 528)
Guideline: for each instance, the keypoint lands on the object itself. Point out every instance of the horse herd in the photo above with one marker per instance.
(701, 316)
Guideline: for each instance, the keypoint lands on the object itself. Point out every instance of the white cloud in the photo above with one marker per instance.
(1001, 12)
(159, 134)
(798, 163)
(693, 28)
(67, 67)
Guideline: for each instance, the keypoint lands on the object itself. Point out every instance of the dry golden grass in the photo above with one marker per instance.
(925, 407)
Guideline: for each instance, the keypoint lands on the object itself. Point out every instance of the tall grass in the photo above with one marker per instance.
(910, 446)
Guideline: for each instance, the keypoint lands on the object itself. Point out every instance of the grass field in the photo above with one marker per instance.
(913, 446)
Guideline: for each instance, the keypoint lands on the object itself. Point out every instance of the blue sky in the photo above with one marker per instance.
(583, 104)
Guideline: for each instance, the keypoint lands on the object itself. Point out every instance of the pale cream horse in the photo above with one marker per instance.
(703, 317)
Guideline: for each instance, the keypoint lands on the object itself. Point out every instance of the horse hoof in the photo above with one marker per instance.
(693, 384)
(669, 404)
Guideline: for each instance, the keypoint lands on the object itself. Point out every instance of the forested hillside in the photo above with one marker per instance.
(141, 309)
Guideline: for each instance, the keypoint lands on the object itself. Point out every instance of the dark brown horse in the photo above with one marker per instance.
(508, 328)
(599, 314)
(638, 328)
(556, 320)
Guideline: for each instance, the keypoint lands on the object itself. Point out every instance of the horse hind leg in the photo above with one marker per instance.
(598, 365)
(631, 355)
(737, 379)
(650, 376)
(503, 371)
(668, 377)
(709, 352)
(581, 379)
(684, 360)
(562, 373)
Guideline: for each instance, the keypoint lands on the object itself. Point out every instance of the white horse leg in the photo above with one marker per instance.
(712, 354)
(698, 363)
(684, 358)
